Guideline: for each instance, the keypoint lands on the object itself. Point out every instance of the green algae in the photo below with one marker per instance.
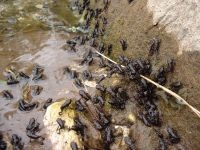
(62, 10)
(26, 16)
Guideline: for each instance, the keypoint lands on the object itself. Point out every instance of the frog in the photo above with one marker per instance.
(61, 124)
(36, 89)
(24, 106)
(129, 142)
(37, 73)
(154, 46)
(16, 141)
(79, 127)
(100, 88)
(124, 44)
(47, 103)
(73, 146)
(32, 128)
(100, 78)
(64, 106)
(173, 136)
(87, 75)
(108, 137)
(84, 95)
(7, 94)
(79, 105)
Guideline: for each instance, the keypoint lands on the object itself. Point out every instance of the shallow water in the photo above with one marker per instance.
(56, 85)
(34, 32)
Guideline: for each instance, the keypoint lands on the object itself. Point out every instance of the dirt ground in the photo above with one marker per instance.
(133, 23)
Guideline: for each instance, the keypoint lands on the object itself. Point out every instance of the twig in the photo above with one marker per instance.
(107, 58)
(180, 99)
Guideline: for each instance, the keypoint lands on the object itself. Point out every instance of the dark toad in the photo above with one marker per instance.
(7, 94)
(16, 141)
(130, 143)
(32, 128)
(84, 95)
(61, 124)
(73, 146)
(154, 47)
(38, 73)
(87, 75)
(79, 105)
(47, 103)
(79, 127)
(123, 44)
(173, 136)
(23, 75)
(24, 106)
(3, 144)
(65, 105)
(100, 88)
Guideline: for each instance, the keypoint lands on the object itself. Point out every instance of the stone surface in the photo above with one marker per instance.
(62, 140)
(181, 18)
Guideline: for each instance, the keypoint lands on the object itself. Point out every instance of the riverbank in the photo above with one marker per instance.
(108, 123)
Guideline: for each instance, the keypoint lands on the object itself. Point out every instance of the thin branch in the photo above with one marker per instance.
(180, 99)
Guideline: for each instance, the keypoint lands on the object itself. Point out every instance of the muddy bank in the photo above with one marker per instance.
(109, 124)
(134, 23)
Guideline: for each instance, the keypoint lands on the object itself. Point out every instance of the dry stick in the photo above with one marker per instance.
(107, 58)
(180, 99)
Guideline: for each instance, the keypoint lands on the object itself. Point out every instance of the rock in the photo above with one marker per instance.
(181, 18)
(93, 136)
(145, 137)
(39, 6)
(12, 20)
(90, 83)
(62, 140)
(120, 132)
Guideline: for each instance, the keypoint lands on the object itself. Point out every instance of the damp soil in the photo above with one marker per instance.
(40, 44)
(134, 24)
